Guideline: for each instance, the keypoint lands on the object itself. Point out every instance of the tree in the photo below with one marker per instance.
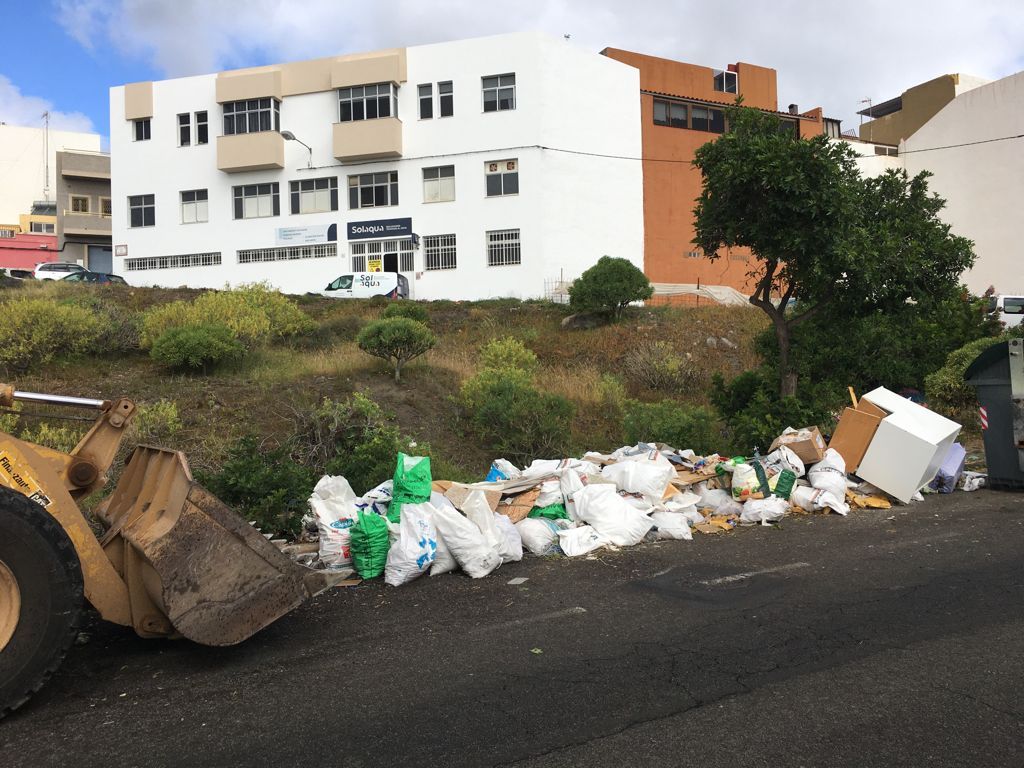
(817, 231)
(609, 286)
(397, 340)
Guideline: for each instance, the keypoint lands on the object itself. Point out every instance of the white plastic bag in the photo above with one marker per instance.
(783, 458)
(829, 474)
(617, 521)
(570, 482)
(671, 525)
(416, 547)
(813, 499)
(444, 560)
(479, 512)
(579, 541)
(539, 535)
(550, 493)
(465, 542)
(744, 482)
(512, 551)
(333, 504)
(641, 475)
(764, 511)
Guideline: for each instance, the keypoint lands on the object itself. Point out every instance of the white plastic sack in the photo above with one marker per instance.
(649, 478)
(479, 512)
(465, 542)
(513, 549)
(508, 469)
(671, 525)
(612, 517)
(550, 493)
(829, 474)
(579, 541)
(721, 502)
(539, 535)
(416, 547)
(781, 459)
(764, 511)
(681, 501)
(744, 482)
(333, 504)
(570, 482)
(813, 499)
(444, 560)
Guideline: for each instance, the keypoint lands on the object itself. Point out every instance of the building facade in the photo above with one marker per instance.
(471, 167)
(84, 209)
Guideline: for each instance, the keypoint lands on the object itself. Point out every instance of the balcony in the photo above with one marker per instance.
(250, 152)
(368, 139)
(87, 224)
(79, 164)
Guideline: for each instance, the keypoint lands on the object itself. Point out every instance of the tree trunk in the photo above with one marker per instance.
(398, 371)
(787, 378)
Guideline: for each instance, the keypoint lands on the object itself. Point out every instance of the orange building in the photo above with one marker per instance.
(681, 107)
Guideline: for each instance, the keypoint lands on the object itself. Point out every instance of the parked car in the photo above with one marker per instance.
(18, 274)
(56, 270)
(366, 285)
(1011, 309)
(85, 276)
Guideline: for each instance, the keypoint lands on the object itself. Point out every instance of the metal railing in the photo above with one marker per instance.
(94, 214)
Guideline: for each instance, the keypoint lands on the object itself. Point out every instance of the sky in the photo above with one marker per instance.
(828, 54)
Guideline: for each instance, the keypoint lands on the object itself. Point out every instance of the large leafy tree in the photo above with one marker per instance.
(818, 232)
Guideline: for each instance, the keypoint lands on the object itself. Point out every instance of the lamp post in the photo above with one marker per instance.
(289, 136)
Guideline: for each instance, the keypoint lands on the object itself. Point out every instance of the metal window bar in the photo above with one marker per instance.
(503, 248)
(287, 253)
(439, 252)
(210, 259)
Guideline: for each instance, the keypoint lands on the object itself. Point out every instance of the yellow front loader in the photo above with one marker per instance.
(173, 560)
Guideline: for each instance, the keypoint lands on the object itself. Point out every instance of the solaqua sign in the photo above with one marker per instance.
(381, 228)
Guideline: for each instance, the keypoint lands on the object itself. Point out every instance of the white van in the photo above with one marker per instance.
(1011, 309)
(366, 285)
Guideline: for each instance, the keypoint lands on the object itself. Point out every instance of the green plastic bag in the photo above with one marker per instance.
(411, 484)
(551, 512)
(369, 545)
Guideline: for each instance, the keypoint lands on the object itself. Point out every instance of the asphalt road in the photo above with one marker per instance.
(888, 638)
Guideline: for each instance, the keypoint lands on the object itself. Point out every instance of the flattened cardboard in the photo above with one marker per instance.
(811, 450)
(518, 507)
(854, 432)
(457, 494)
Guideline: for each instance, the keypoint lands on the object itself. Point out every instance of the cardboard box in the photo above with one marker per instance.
(855, 431)
(908, 447)
(811, 449)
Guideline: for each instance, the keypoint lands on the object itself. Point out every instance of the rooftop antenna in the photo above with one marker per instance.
(868, 102)
(46, 155)
(566, 36)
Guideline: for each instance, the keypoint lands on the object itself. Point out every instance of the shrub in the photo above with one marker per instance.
(946, 389)
(397, 340)
(476, 389)
(609, 286)
(61, 438)
(265, 485)
(516, 421)
(409, 309)
(611, 397)
(352, 438)
(196, 347)
(507, 352)
(35, 331)
(678, 425)
(656, 365)
(155, 422)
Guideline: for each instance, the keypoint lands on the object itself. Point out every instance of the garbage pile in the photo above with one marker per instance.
(412, 524)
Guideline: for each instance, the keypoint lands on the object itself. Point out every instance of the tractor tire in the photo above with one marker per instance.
(40, 597)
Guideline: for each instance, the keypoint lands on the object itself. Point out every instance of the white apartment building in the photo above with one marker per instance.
(478, 168)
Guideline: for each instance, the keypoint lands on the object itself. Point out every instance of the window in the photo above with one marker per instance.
(314, 195)
(367, 102)
(194, 206)
(439, 184)
(789, 127)
(202, 128)
(40, 228)
(725, 81)
(256, 201)
(209, 259)
(426, 101)
(79, 204)
(890, 151)
(503, 248)
(6, 232)
(141, 211)
(706, 119)
(502, 178)
(1013, 306)
(446, 98)
(252, 116)
(373, 190)
(184, 130)
(105, 207)
(359, 251)
(380, 249)
(142, 129)
(405, 256)
(670, 113)
(499, 93)
(288, 253)
(833, 128)
(439, 252)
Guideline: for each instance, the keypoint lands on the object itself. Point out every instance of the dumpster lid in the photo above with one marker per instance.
(994, 355)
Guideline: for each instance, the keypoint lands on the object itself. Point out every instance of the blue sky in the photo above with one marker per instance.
(831, 55)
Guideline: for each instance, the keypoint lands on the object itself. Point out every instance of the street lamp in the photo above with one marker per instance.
(289, 136)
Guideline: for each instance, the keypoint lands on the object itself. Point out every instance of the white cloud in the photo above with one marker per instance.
(18, 109)
(827, 54)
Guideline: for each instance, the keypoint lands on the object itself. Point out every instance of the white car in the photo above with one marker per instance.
(366, 285)
(1011, 309)
(56, 270)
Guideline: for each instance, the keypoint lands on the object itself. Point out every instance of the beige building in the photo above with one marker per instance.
(895, 119)
(84, 209)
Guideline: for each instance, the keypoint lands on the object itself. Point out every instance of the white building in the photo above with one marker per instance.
(28, 165)
(478, 168)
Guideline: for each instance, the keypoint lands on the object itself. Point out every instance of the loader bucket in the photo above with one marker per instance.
(194, 567)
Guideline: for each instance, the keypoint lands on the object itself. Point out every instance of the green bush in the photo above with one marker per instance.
(680, 426)
(656, 365)
(476, 388)
(396, 340)
(516, 421)
(507, 352)
(265, 485)
(406, 308)
(61, 437)
(353, 438)
(196, 347)
(155, 423)
(35, 331)
(609, 286)
(945, 388)
(253, 313)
